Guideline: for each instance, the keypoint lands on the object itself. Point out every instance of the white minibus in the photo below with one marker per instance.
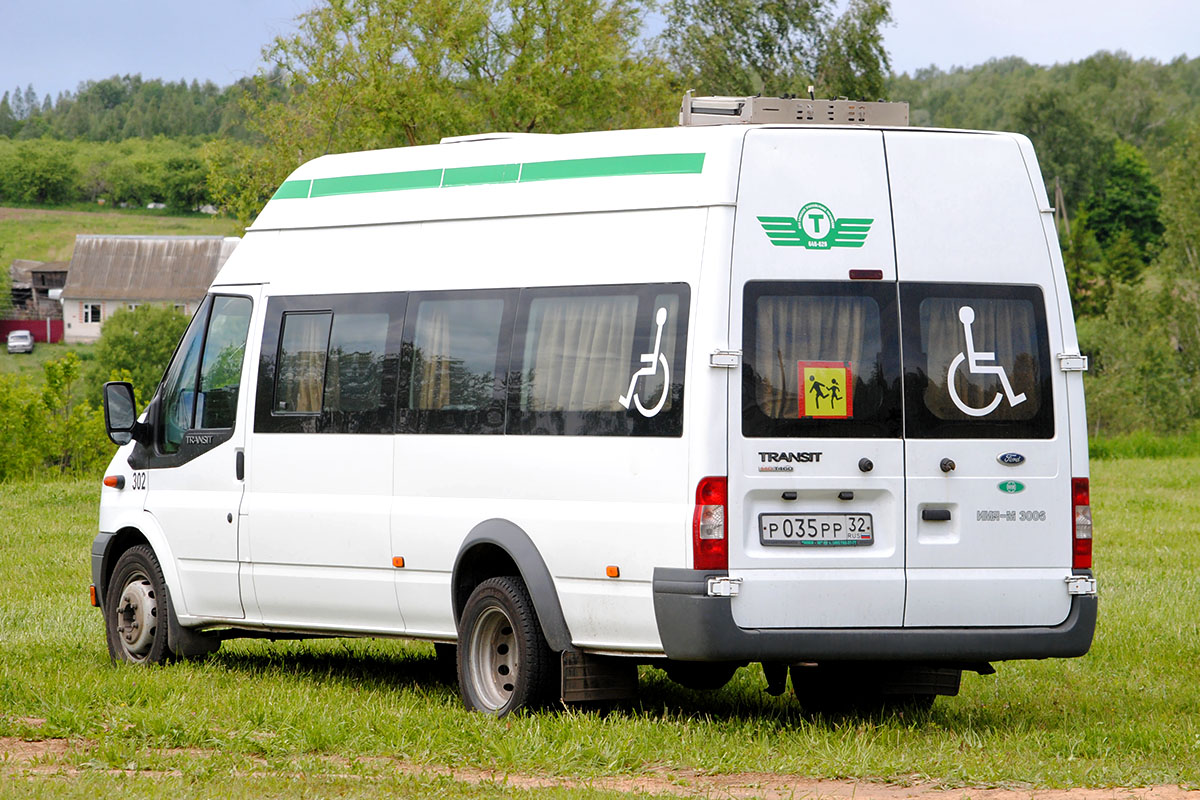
(791, 383)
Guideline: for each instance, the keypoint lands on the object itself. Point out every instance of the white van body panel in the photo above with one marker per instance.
(359, 533)
(987, 230)
(786, 587)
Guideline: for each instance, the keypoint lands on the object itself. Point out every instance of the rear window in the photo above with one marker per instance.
(977, 362)
(821, 360)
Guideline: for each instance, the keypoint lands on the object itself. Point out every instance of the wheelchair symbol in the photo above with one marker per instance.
(652, 361)
(966, 315)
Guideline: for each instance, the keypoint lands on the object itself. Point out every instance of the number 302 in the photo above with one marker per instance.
(138, 481)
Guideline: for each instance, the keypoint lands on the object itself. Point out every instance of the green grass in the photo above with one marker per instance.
(365, 717)
(1144, 444)
(49, 234)
(30, 364)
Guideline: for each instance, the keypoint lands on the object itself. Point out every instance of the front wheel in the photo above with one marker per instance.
(137, 608)
(504, 663)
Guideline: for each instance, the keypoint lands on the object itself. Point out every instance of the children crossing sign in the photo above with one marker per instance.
(826, 389)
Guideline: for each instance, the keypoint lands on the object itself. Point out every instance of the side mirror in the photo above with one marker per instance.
(120, 411)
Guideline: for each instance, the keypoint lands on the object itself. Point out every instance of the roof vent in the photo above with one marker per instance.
(789, 110)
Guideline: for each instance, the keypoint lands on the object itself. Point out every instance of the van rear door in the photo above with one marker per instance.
(988, 462)
(816, 464)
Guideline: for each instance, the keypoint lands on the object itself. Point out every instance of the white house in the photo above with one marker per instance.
(113, 272)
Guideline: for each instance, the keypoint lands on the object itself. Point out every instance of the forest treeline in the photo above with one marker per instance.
(1118, 138)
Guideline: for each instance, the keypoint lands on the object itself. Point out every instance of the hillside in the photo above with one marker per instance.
(49, 234)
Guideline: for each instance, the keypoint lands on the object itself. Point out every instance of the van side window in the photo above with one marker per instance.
(602, 360)
(303, 346)
(329, 364)
(200, 389)
(221, 366)
(977, 362)
(821, 360)
(456, 356)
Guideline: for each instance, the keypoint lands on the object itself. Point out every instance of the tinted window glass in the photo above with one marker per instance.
(330, 364)
(456, 345)
(221, 366)
(179, 384)
(355, 366)
(821, 360)
(300, 383)
(604, 360)
(977, 363)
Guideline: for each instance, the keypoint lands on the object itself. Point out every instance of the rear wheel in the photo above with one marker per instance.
(504, 663)
(137, 608)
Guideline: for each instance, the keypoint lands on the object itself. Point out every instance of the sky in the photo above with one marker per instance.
(56, 44)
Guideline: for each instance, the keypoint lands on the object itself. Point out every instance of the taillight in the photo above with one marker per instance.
(710, 549)
(1081, 501)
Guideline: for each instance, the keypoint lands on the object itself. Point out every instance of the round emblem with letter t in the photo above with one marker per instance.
(816, 220)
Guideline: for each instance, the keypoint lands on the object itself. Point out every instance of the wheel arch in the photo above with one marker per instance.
(108, 548)
(497, 547)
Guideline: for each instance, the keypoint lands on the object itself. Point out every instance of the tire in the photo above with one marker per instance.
(504, 663)
(700, 676)
(137, 609)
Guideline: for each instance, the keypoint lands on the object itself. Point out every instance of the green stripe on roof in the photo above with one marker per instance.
(291, 190)
(474, 176)
(607, 167)
(380, 182)
(614, 166)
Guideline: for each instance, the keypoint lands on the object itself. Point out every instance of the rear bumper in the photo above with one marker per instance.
(696, 627)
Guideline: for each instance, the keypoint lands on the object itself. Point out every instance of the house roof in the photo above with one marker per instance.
(145, 268)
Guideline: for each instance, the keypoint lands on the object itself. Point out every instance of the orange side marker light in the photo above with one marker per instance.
(114, 481)
(398, 562)
(612, 571)
(92, 592)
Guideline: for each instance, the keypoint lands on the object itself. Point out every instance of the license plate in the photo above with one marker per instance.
(816, 530)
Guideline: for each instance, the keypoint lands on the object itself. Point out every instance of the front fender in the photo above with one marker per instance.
(106, 549)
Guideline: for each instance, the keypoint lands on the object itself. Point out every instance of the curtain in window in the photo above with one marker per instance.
(794, 329)
(577, 353)
(1004, 327)
(302, 363)
(432, 359)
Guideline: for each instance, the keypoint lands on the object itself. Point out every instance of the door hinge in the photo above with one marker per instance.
(724, 587)
(725, 359)
(1080, 584)
(1072, 362)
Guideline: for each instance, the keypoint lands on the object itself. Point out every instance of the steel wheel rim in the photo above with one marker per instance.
(493, 658)
(137, 616)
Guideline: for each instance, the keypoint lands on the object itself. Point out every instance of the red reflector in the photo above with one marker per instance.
(866, 274)
(1081, 507)
(710, 548)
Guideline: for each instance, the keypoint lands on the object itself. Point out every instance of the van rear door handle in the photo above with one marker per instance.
(239, 465)
(935, 514)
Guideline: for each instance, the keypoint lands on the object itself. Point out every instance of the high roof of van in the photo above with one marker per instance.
(492, 175)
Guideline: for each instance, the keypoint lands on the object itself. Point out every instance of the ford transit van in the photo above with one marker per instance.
(791, 383)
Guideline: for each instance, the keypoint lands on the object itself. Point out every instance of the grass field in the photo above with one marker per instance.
(379, 718)
(49, 234)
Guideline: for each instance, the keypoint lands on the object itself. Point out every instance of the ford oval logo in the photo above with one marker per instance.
(1011, 459)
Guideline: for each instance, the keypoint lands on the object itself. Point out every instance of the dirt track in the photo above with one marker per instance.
(54, 757)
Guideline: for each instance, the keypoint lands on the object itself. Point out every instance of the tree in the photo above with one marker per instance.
(1068, 143)
(8, 121)
(38, 172)
(386, 73)
(1126, 200)
(184, 182)
(738, 47)
(137, 344)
